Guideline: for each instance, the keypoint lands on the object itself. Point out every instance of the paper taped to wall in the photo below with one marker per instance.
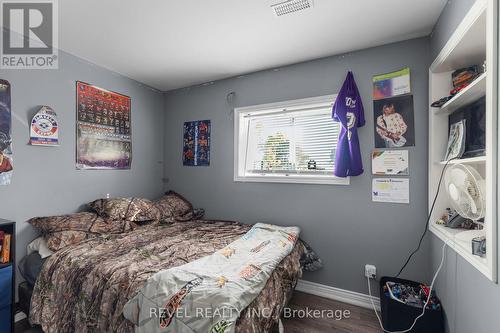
(390, 162)
(396, 190)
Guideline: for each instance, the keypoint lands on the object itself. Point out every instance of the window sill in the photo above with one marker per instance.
(294, 179)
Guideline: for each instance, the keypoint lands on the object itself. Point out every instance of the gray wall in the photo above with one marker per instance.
(450, 18)
(344, 226)
(471, 301)
(45, 180)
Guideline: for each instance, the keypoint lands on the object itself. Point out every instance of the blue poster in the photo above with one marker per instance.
(196, 150)
(6, 165)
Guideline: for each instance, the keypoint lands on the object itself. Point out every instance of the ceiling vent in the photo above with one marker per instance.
(291, 6)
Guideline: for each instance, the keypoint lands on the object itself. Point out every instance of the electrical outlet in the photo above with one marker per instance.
(370, 271)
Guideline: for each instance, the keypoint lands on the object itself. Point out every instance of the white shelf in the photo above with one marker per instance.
(470, 44)
(467, 46)
(470, 160)
(471, 93)
(461, 242)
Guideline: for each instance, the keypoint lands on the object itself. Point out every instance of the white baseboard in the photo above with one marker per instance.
(19, 316)
(337, 294)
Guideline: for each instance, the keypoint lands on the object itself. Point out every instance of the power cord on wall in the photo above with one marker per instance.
(428, 218)
(411, 255)
(426, 302)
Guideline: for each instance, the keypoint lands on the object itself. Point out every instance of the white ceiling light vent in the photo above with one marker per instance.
(291, 6)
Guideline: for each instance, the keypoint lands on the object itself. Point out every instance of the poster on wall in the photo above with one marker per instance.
(196, 143)
(44, 129)
(104, 137)
(6, 162)
(394, 122)
(391, 84)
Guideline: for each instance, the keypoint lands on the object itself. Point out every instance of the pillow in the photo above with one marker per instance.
(174, 207)
(198, 213)
(127, 209)
(85, 221)
(310, 260)
(59, 240)
(64, 230)
(39, 245)
(30, 267)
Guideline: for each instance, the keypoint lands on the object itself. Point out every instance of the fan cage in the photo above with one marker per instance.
(470, 186)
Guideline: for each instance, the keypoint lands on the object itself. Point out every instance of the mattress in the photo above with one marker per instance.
(84, 288)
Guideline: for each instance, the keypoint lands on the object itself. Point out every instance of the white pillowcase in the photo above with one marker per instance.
(39, 245)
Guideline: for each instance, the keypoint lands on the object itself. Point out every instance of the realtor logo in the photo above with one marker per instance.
(29, 36)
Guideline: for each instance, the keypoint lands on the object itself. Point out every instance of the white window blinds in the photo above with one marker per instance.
(299, 141)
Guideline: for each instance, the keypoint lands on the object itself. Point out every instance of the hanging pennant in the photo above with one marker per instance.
(44, 128)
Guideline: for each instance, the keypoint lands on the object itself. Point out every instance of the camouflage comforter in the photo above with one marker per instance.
(84, 288)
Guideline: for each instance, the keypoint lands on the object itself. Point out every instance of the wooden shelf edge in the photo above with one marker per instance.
(448, 237)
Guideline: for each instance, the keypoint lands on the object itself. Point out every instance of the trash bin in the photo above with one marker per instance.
(397, 316)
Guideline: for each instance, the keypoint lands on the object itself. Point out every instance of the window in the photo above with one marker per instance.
(291, 142)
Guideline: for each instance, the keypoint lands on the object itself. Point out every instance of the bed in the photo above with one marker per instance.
(84, 287)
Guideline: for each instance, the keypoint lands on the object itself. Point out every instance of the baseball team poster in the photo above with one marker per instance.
(6, 166)
(44, 130)
(104, 137)
(196, 150)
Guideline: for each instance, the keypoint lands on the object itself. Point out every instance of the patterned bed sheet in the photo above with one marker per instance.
(84, 288)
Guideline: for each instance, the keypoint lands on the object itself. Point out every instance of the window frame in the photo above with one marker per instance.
(240, 174)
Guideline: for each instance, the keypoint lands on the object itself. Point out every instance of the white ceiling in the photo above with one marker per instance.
(169, 44)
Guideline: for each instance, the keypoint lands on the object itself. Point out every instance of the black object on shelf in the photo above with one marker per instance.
(474, 115)
(397, 316)
(7, 281)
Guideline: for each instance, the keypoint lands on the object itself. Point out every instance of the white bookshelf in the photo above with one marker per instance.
(469, 160)
(471, 93)
(471, 44)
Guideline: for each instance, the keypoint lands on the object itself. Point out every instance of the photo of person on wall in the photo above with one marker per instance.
(394, 122)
